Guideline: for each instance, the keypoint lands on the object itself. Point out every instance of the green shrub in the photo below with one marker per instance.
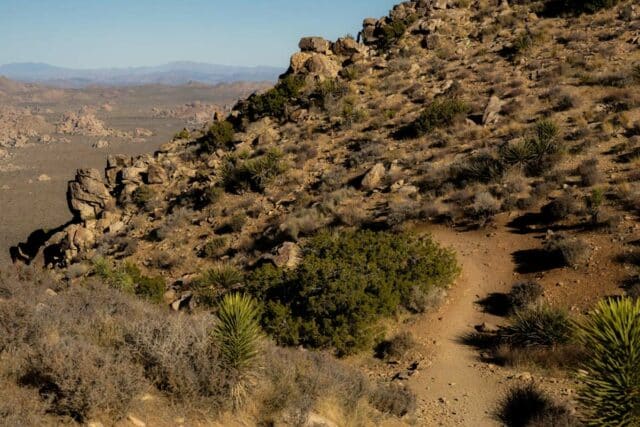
(440, 113)
(345, 283)
(329, 91)
(611, 337)
(237, 332)
(128, 277)
(219, 135)
(388, 34)
(215, 247)
(238, 175)
(143, 197)
(539, 326)
(273, 102)
(528, 406)
(183, 134)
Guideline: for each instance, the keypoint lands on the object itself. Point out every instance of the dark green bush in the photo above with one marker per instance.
(572, 7)
(183, 134)
(539, 326)
(345, 283)
(273, 102)
(393, 31)
(528, 406)
(219, 135)
(440, 113)
(129, 278)
(143, 197)
(238, 175)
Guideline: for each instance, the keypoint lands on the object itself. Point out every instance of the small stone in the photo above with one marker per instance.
(136, 421)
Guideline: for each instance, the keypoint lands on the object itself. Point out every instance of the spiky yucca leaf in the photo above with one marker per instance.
(238, 332)
(611, 336)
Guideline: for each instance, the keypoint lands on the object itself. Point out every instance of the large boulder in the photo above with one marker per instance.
(88, 196)
(492, 111)
(314, 44)
(156, 174)
(321, 65)
(373, 178)
(346, 46)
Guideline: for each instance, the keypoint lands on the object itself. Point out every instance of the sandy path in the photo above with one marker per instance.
(457, 389)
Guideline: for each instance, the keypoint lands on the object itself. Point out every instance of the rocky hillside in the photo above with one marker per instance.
(521, 116)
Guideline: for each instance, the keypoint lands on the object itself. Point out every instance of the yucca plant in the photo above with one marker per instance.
(611, 337)
(238, 332)
(538, 326)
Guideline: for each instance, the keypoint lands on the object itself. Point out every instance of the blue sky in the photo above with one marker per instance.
(119, 33)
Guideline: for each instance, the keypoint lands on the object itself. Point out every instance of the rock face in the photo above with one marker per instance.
(314, 44)
(87, 195)
(492, 111)
(373, 178)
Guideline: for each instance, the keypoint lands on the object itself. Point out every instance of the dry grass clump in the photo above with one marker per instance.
(90, 351)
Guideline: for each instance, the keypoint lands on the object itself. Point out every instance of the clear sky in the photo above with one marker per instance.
(121, 33)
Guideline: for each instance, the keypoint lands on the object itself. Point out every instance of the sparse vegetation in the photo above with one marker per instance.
(525, 294)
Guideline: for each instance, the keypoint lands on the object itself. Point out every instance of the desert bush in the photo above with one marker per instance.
(128, 277)
(538, 326)
(396, 347)
(558, 209)
(299, 381)
(393, 31)
(573, 252)
(183, 134)
(273, 102)
(611, 337)
(215, 247)
(219, 135)
(589, 173)
(440, 113)
(143, 197)
(484, 207)
(525, 294)
(253, 174)
(393, 399)
(528, 406)
(330, 91)
(345, 283)
(80, 380)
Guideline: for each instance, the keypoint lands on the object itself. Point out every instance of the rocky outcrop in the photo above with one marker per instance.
(373, 178)
(314, 44)
(88, 196)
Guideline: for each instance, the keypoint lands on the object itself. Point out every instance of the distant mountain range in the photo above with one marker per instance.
(174, 73)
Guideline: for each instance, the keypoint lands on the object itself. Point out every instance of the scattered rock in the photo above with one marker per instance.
(314, 44)
(492, 111)
(44, 177)
(87, 195)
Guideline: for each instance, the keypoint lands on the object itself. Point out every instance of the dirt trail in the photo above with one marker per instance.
(457, 389)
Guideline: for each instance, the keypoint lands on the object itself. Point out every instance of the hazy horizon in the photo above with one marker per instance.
(91, 34)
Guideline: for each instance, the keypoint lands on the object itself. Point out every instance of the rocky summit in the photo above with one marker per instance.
(458, 163)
